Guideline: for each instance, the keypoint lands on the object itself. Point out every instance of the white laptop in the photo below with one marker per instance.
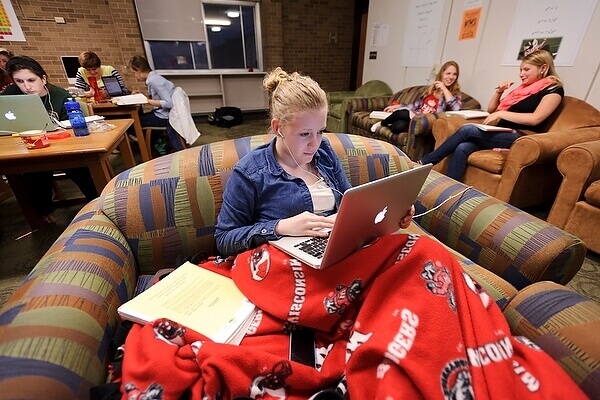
(366, 212)
(23, 113)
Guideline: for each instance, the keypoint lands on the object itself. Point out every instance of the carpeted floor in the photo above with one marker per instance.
(21, 249)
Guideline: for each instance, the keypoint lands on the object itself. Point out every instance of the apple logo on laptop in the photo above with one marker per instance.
(10, 115)
(380, 215)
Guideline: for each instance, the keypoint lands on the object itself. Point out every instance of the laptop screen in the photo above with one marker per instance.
(112, 86)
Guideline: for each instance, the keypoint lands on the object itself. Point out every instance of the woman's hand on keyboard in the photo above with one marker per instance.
(304, 224)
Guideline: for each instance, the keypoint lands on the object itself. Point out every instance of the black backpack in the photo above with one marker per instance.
(226, 117)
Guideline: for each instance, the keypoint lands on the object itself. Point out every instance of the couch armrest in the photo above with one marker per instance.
(445, 126)
(56, 329)
(367, 104)
(579, 165)
(542, 148)
(561, 322)
(337, 97)
(513, 244)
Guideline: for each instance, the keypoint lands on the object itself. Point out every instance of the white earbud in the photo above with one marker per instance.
(280, 134)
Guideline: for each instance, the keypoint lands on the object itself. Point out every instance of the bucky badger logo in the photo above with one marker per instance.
(260, 262)
(338, 301)
(439, 282)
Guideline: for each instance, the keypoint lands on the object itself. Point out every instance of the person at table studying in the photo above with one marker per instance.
(526, 107)
(161, 91)
(31, 79)
(442, 95)
(292, 185)
(91, 72)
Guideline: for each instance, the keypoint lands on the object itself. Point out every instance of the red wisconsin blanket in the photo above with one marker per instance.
(398, 319)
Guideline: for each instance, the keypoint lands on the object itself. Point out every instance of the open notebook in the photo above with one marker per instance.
(366, 212)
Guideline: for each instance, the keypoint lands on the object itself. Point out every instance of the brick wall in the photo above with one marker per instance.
(311, 36)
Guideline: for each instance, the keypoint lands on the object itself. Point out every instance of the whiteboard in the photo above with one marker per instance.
(422, 33)
(558, 25)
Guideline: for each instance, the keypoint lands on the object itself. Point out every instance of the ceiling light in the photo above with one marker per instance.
(222, 22)
(215, 28)
(233, 14)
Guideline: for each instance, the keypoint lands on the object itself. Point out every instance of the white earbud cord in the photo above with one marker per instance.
(443, 202)
(320, 179)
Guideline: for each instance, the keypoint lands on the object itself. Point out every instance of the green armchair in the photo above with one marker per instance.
(338, 116)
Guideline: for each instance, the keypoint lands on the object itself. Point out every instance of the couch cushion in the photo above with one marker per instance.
(489, 160)
(167, 207)
(592, 194)
(569, 115)
(335, 110)
(561, 322)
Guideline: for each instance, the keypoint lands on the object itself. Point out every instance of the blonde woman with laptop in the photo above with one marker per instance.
(31, 79)
(290, 186)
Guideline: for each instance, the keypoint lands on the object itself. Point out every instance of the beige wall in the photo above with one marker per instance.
(479, 59)
(312, 36)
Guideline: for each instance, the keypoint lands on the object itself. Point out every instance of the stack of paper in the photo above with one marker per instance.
(492, 128)
(469, 114)
(137, 98)
(197, 298)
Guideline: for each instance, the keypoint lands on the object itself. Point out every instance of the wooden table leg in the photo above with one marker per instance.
(126, 152)
(100, 174)
(139, 133)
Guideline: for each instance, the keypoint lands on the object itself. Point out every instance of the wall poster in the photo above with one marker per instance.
(10, 29)
(554, 25)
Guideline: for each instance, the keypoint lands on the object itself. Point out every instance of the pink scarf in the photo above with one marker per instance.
(522, 92)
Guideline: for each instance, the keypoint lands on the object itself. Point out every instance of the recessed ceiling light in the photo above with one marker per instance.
(215, 28)
(233, 14)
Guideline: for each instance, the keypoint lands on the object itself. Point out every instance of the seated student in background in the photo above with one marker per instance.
(290, 186)
(526, 107)
(443, 95)
(161, 100)
(5, 79)
(89, 75)
(31, 79)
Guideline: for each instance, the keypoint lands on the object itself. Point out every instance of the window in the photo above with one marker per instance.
(201, 35)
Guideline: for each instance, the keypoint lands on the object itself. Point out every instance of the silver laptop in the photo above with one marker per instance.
(23, 113)
(113, 86)
(366, 212)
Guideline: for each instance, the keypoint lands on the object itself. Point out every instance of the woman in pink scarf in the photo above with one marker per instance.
(526, 107)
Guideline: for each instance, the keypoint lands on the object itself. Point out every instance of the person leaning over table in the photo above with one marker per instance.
(292, 185)
(31, 79)
(161, 91)
(91, 66)
(442, 95)
(5, 80)
(526, 107)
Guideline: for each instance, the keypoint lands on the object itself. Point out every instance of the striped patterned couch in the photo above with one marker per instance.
(56, 330)
(415, 143)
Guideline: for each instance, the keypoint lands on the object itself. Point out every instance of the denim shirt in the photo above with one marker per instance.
(259, 193)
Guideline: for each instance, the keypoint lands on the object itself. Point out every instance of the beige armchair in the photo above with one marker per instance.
(577, 205)
(526, 175)
(338, 116)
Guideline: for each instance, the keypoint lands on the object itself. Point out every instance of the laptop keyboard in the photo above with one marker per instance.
(315, 246)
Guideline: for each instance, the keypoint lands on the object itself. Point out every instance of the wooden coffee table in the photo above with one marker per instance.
(90, 151)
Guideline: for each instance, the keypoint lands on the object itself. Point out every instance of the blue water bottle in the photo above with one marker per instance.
(76, 118)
